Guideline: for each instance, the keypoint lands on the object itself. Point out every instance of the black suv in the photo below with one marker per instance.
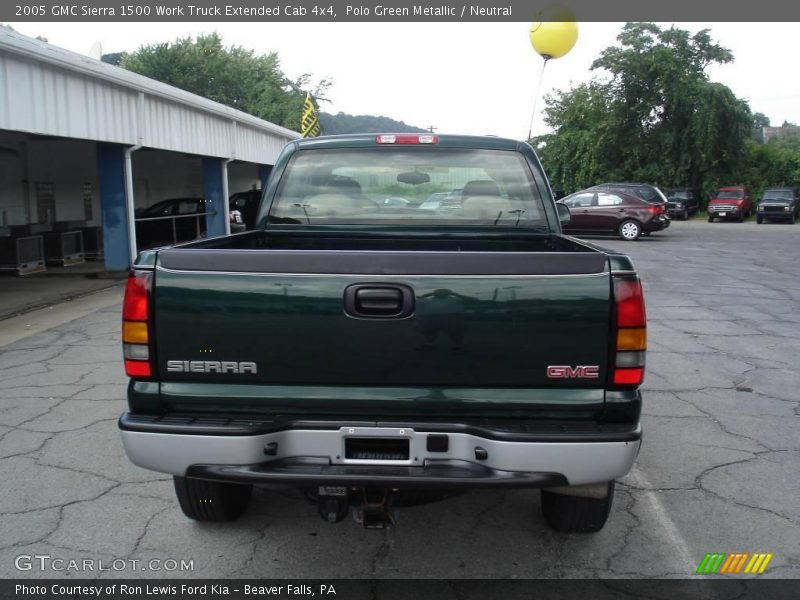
(779, 204)
(682, 202)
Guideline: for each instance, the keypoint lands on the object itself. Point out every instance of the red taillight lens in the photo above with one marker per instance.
(135, 326)
(630, 303)
(629, 376)
(631, 332)
(137, 368)
(134, 307)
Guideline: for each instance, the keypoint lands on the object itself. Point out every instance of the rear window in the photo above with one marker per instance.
(405, 186)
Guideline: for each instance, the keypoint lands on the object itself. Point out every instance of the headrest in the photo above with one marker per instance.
(480, 187)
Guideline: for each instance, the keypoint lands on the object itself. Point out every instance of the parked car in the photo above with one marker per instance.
(682, 202)
(179, 228)
(597, 211)
(247, 203)
(442, 201)
(733, 202)
(779, 204)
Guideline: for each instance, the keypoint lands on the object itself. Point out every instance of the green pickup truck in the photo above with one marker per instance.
(368, 352)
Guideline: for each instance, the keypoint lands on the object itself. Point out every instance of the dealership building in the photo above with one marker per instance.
(84, 145)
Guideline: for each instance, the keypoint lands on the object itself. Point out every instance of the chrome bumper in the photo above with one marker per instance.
(319, 456)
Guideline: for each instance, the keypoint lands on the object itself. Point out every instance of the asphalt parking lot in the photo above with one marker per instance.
(719, 469)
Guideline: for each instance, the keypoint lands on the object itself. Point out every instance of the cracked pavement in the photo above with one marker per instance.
(719, 469)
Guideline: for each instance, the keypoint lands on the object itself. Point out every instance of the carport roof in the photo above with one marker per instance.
(53, 91)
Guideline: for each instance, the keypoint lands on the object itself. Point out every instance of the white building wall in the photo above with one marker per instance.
(50, 91)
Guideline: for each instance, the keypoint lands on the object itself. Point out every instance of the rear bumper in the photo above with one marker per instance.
(315, 453)
(657, 224)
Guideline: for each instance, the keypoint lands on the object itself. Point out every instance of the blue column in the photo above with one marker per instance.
(111, 175)
(212, 192)
(263, 174)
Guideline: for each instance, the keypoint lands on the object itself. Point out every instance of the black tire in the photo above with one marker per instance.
(792, 219)
(759, 219)
(576, 514)
(710, 219)
(203, 500)
(629, 230)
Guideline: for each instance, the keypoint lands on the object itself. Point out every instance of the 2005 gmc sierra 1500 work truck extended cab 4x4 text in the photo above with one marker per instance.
(407, 321)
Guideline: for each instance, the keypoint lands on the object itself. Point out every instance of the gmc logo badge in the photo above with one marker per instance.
(568, 372)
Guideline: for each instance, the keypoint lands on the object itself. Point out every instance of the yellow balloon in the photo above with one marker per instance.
(553, 39)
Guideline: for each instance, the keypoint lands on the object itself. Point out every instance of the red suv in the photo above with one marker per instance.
(730, 203)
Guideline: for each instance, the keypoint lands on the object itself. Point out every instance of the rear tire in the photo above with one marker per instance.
(576, 514)
(629, 230)
(203, 500)
(759, 220)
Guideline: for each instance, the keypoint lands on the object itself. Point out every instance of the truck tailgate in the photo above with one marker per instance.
(471, 319)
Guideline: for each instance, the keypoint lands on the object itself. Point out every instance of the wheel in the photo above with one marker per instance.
(203, 500)
(740, 218)
(710, 219)
(630, 230)
(759, 219)
(576, 514)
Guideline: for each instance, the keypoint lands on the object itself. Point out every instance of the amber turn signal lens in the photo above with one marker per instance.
(134, 332)
(632, 339)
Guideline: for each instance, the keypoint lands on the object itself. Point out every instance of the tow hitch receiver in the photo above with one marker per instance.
(373, 507)
(376, 509)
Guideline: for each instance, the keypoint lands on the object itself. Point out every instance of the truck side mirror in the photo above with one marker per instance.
(564, 215)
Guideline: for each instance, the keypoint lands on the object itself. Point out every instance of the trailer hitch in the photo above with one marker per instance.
(372, 507)
(376, 508)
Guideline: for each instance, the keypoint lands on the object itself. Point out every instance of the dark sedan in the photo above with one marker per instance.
(170, 221)
(600, 212)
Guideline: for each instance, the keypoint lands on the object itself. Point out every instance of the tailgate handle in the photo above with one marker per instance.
(370, 301)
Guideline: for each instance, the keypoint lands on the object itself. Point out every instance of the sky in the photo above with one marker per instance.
(473, 78)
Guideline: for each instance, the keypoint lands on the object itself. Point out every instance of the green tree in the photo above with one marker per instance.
(760, 120)
(344, 123)
(656, 117)
(114, 58)
(230, 75)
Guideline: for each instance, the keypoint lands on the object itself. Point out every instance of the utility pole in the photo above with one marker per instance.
(431, 128)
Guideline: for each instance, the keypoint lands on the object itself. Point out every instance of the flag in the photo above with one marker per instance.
(309, 123)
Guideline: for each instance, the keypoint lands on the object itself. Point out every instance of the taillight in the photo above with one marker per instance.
(406, 139)
(630, 331)
(136, 326)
